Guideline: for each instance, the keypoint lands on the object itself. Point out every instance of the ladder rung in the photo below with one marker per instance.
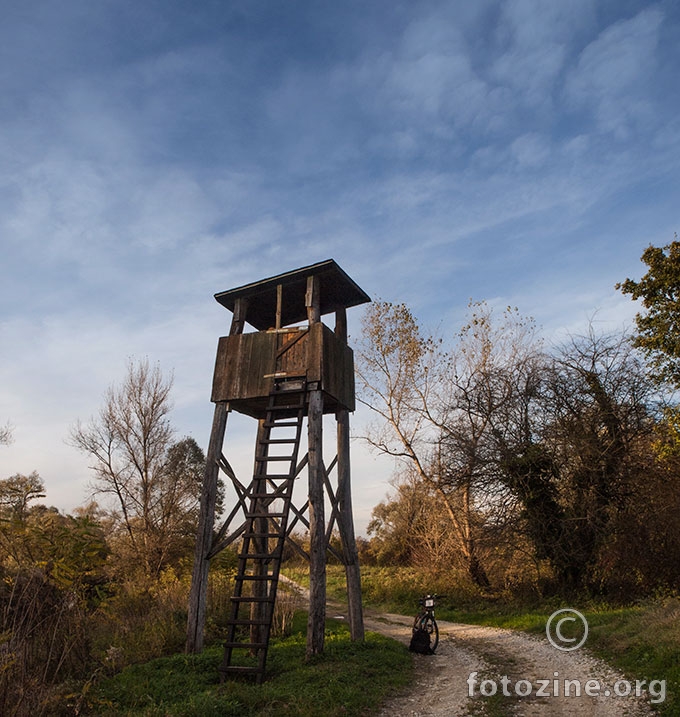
(244, 621)
(290, 386)
(264, 535)
(289, 389)
(278, 494)
(274, 458)
(259, 645)
(251, 598)
(259, 556)
(262, 578)
(282, 441)
(281, 423)
(266, 515)
(241, 669)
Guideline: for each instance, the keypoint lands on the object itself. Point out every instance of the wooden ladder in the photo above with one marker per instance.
(259, 562)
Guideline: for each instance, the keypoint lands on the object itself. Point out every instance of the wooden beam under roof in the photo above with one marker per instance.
(337, 291)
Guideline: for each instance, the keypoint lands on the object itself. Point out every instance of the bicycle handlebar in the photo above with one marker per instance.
(421, 601)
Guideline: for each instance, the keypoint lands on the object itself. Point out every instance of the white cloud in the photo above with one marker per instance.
(531, 73)
(613, 71)
(438, 91)
(531, 150)
(169, 209)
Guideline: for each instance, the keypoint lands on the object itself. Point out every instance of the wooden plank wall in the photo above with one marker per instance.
(241, 365)
(244, 360)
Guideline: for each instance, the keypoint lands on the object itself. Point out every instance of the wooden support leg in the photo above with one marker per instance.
(206, 520)
(346, 527)
(316, 622)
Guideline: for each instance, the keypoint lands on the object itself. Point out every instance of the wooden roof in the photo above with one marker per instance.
(337, 291)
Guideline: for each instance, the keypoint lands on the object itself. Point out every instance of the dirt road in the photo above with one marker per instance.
(443, 682)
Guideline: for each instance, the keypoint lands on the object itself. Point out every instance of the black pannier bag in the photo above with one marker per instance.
(420, 642)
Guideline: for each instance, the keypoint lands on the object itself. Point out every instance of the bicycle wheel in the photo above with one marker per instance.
(429, 624)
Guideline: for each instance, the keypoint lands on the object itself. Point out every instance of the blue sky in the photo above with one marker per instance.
(154, 153)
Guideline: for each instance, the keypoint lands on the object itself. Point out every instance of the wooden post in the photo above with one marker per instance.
(345, 519)
(346, 528)
(279, 305)
(316, 622)
(313, 300)
(206, 520)
(238, 320)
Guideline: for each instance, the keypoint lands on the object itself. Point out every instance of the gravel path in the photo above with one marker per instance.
(441, 687)
(514, 662)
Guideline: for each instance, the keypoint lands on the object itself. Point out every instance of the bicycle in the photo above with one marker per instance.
(425, 637)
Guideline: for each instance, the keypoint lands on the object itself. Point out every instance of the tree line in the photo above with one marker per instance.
(524, 465)
(83, 594)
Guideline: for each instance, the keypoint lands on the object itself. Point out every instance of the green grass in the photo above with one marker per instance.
(335, 683)
(643, 641)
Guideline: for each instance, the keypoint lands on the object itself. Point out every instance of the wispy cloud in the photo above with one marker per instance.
(613, 74)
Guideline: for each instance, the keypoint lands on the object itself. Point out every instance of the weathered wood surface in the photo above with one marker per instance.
(317, 534)
(316, 620)
(199, 578)
(260, 544)
(344, 498)
(246, 364)
(338, 290)
(346, 528)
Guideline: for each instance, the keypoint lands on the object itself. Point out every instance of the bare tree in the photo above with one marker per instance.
(6, 436)
(153, 487)
(439, 407)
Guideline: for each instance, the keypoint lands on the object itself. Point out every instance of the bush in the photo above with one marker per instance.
(44, 640)
(400, 588)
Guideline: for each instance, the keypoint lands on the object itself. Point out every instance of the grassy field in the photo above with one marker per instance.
(335, 683)
(642, 640)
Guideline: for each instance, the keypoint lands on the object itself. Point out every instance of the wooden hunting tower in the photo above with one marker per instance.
(280, 375)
